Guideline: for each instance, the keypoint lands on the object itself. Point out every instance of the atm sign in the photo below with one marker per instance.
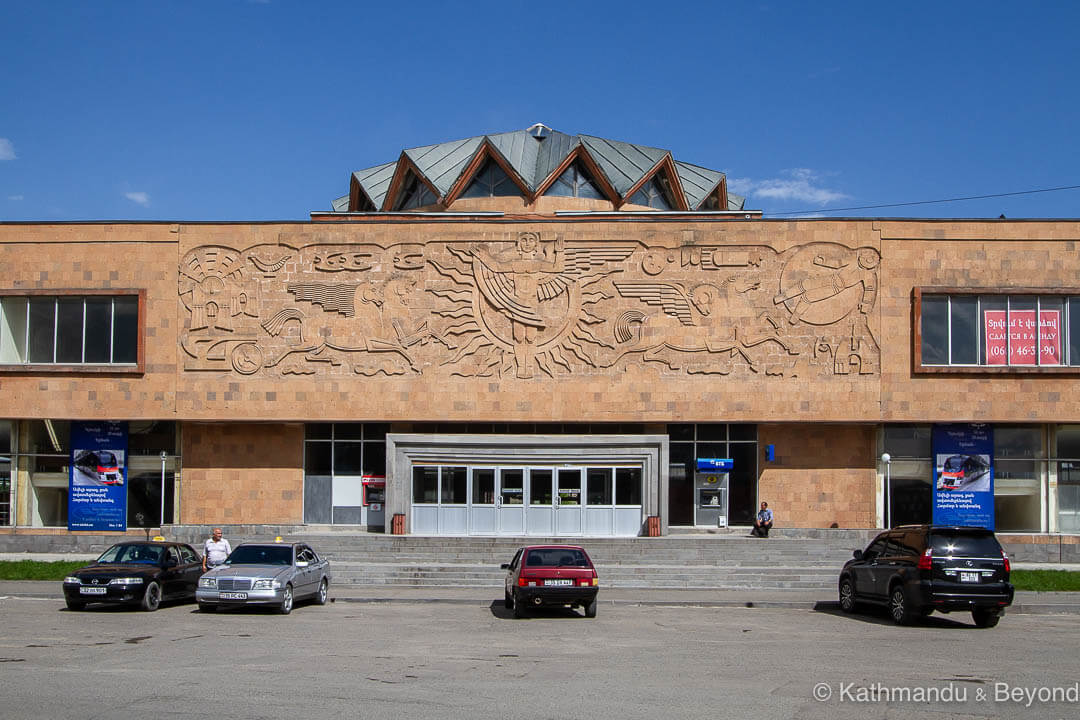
(715, 463)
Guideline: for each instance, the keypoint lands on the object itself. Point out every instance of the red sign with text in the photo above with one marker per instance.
(1018, 343)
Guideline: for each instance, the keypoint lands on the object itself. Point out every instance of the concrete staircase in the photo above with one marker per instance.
(720, 561)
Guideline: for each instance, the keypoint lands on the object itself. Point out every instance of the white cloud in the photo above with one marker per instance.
(14, 198)
(139, 198)
(798, 184)
(7, 150)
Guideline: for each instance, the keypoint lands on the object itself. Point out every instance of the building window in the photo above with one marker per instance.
(711, 202)
(712, 440)
(1019, 476)
(6, 499)
(575, 182)
(337, 459)
(655, 194)
(70, 330)
(970, 330)
(414, 194)
(491, 181)
(42, 455)
(1067, 463)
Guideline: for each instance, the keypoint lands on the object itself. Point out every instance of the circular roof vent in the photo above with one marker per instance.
(538, 131)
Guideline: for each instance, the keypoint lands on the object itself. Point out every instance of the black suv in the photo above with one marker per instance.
(916, 569)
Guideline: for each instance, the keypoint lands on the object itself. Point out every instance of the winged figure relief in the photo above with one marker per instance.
(533, 304)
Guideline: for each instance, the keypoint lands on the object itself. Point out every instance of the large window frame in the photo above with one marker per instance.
(1069, 360)
(24, 365)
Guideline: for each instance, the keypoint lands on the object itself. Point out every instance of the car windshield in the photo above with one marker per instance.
(966, 544)
(556, 557)
(149, 554)
(261, 555)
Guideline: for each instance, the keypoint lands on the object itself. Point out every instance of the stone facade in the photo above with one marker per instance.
(803, 327)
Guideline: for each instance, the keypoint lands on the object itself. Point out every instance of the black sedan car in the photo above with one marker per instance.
(136, 573)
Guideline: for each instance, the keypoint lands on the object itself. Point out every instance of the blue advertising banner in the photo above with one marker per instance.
(963, 482)
(97, 484)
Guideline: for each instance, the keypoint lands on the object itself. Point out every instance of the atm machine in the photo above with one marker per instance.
(374, 500)
(711, 491)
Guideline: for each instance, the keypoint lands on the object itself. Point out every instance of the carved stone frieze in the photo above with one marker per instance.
(529, 304)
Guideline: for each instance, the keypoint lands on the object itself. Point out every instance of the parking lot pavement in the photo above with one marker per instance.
(457, 660)
(1025, 602)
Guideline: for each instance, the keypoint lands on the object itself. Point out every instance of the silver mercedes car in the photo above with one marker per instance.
(275, 574)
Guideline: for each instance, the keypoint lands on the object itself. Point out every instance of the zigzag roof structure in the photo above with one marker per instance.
(534, 159)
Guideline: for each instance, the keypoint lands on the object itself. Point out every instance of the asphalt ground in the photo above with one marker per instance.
(1028, 603)
(472, 660)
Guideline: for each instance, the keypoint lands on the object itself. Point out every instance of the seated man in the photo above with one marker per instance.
(763, 521)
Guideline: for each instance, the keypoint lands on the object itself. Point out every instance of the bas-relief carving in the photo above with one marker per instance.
(529, 304)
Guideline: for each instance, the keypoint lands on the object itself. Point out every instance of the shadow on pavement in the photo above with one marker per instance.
(874, 615)
(500, 611)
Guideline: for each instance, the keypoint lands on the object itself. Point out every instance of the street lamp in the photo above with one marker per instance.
(887, 459)
(161, 518)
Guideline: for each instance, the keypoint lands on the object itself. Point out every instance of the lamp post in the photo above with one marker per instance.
(887, 459)
(161, 518)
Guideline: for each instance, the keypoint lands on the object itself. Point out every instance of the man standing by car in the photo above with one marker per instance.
(763, 521)
(215, 550)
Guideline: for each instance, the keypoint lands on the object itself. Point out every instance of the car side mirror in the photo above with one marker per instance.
(858, 555)
(168, 564)
(505, 566)
(302, 563)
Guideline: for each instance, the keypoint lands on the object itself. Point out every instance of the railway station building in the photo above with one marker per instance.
(537, 334)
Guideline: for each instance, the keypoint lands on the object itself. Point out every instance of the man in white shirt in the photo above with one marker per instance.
(763, 521)
(215, 550)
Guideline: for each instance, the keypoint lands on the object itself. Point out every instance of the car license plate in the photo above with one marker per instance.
(969, 577)
(232, 596)
(92, 591)
(559, 582)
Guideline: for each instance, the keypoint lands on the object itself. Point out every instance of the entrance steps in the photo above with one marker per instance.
(682, 561)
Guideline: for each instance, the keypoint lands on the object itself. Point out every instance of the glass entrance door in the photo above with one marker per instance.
(482, 508)
(540, 511)
(569, 501)
(510, 499)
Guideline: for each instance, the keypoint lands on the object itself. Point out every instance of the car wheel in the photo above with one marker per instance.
(519, 612)
(985, 618)
(75, 605)
(152, 597)
(898, 606)
(207, 608)
(286, 601)
(508, 601)
(590, 609)
(324, 592)
(847, 595)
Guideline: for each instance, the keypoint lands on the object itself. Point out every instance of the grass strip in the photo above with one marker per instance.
(1046, 580)
(37, 570)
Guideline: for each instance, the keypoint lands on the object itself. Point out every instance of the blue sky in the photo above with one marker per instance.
(243, 110)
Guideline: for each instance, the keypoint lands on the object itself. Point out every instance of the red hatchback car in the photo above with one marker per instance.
(551, 575)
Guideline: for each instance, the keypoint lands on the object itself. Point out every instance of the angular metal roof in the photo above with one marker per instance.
(534, 158)
(623, 164)
(697, 182)
(375, 181)
(442, 164)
